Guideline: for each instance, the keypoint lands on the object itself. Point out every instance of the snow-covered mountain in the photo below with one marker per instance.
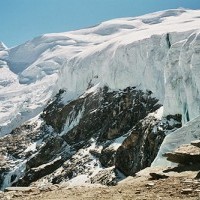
(158, 54)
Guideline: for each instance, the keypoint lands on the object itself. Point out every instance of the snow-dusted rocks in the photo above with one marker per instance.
(140, 148)
(85, 137)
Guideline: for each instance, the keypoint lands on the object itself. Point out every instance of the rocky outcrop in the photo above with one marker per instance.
(98, 130)
(110, 114)
(186, 154)
(34, 174)
(107, 157)
(187, 158)
(140, 148)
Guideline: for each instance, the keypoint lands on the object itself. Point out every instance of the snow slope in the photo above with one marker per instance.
(158, 52)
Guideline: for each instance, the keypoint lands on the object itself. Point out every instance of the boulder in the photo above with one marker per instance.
(21, 189)
(186, 154)
(107, 157)
(105, 177)
(156, 176)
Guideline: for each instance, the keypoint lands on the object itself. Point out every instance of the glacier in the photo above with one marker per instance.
(159, 52)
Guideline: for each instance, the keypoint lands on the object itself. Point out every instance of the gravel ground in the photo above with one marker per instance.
(139, 188)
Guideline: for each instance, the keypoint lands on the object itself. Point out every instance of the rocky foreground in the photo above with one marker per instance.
(181, 186)
(179, 182)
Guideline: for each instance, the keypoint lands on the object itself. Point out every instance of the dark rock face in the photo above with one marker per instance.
(108, 114)
(95, 131)
(3, 171)
(17, 141)
(13, 150)
(107, 157)
(141, 146)
(53, 147)
(36, 173)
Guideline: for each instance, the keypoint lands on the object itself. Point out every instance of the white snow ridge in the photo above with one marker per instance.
(159, 52)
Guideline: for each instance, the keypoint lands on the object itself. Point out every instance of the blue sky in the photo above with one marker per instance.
(21, 20)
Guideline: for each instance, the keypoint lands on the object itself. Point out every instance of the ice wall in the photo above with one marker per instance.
(138, 64)
(182, 78)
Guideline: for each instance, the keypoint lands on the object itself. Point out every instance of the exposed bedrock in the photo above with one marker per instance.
(101, 129)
